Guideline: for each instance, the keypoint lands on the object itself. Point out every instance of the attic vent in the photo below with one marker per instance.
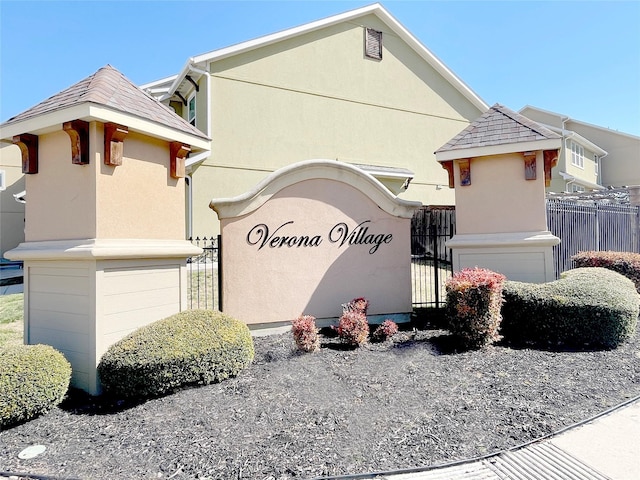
(373, 43)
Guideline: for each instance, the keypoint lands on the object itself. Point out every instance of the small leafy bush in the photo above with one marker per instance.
(625, 263)
(33, 380)
(385, 330)
(305, 333)
(194, 347)
(474, 300)
(359, 304)
(588, 306)
(353, 328)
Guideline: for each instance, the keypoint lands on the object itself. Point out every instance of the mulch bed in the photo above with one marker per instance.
(413, 401)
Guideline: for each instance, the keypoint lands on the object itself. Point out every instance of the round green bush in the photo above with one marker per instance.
(33, 380)
(586, 307)
(194, 347)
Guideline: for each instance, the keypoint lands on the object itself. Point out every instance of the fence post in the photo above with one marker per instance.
(220, 272)
(433, 230)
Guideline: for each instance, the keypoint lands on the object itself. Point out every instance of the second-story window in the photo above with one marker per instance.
(577, 155)
(191, 113)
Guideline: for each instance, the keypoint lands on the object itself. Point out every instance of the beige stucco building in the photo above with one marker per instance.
(591, 157)
(356, 87)
(12, 183)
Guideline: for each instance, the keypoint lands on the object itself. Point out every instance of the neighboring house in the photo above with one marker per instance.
(592, 157)
(355, 87)
(11, 186)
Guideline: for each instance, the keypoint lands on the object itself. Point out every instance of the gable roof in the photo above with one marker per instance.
(199, 62)
(566, 118)
(110, 89)
(498, 130)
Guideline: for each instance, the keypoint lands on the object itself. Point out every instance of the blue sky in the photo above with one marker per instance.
(578, 58)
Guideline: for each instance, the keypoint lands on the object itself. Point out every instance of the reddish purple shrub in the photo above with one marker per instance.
(624, 263)
(474, 301)
(353, 328)
(386, 329)
(305, 333)
(359, 304)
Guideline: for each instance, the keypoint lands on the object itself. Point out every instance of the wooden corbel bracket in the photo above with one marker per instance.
(179, 152)
(448, 166)
(78, 131)
(530, 166)
(550, 161)
(114, 135)
(28, 145)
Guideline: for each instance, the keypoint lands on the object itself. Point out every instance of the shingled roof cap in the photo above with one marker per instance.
(498, 130)
(112, 92)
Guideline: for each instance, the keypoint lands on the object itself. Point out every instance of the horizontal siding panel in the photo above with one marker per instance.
(56, 302)
(126, 281)
(58, 283)
(64, 341)
(63, 321)
(141, 300)
(60, 271)
(129, 321)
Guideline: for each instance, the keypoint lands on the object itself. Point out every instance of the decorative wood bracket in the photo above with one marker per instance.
(184, 100)
(179, 152)
(78, 131)
(550, 161)
(114, 143)
(448, 166)
(465, 172)
(28, 145)
(530, 166)
(192, 81)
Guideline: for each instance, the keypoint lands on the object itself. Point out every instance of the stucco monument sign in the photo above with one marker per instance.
(311, 237)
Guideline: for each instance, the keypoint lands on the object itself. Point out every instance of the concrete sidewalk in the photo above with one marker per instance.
(605, 448)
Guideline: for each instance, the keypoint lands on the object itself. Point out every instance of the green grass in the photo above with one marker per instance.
(11, 319)
(202, 282)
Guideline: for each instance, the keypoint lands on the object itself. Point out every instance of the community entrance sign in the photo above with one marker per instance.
(311, 237)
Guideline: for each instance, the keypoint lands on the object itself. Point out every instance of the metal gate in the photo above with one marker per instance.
(431, 260)
(204, 275)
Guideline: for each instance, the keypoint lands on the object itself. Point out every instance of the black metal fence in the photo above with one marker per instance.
(594, 226)
(204, 275)
(431, 260)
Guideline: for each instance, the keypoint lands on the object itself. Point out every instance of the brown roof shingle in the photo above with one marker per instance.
(498, 126)
(110, 88)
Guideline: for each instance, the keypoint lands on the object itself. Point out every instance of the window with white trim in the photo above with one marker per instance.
(373, 43)
(577, 155)
(597, 164)
(577, 188)
(2, 180)
(191, 109)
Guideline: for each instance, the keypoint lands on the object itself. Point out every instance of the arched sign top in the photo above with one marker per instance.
(309, 170)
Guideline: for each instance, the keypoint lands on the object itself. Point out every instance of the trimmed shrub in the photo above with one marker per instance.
(33, 380)
(625, 263)
(305, 333)
(386, 329)
(194, 347)
(586, 307)
(474, 299)
(353, 328)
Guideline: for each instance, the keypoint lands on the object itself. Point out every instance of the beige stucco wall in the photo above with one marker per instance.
(499, 199)
(316, 96)
(11, 212)
(61, 200)
(67, 201)
(621, 166)
(263, 283)
(126, 209)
